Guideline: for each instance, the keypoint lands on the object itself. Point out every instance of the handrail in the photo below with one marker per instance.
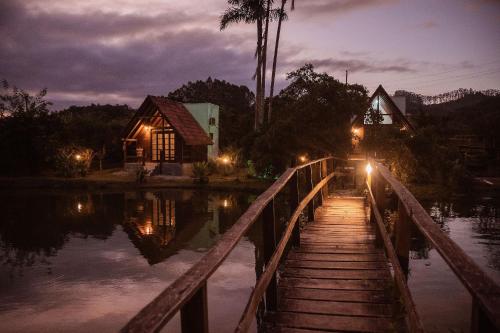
(176, 296)
(485, 292)
(414, 324)
(265, 278)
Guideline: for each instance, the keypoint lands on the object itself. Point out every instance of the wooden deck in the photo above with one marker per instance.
(337, 280)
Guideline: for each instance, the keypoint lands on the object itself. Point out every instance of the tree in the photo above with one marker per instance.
(254, 11)
(98, 127)
(27, 131)
(17, 102)
(281, 17)
(314, 114)
(235, 104)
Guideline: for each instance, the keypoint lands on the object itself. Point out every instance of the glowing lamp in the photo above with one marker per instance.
(225, 203)
(355, 131)
(78, 157)
(225, 160)
(302, 158)
(368, 168)
(79, 207)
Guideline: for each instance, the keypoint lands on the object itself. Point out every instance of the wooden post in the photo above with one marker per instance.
(294, 203)
(319, 177)
(194, 314)
(403, 237)
(309, 187)
(479, 320)
(269, 237)
(324, 173)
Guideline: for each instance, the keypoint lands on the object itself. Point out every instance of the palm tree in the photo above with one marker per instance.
(264, 62)
(249, 11)
(281, 17)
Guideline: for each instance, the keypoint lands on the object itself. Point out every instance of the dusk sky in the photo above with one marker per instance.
(97, 51)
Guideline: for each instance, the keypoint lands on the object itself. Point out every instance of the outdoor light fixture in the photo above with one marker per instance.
(369, 168)
(79, 207)
(355, 131)
(302, 158)
(225, 160)
(78, 157)
(225, 203)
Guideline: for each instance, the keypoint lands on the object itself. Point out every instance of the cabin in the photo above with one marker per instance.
(392, 110)
(165, 137)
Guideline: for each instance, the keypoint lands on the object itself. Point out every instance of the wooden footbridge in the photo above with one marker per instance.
(330, 263)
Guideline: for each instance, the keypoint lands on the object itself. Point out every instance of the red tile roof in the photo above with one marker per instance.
(178, 117)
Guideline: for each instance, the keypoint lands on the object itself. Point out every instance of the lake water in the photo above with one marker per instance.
(85, 262)
(473, 222)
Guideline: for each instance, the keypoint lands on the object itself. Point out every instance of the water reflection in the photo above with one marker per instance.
(473, 222)
(89, 261)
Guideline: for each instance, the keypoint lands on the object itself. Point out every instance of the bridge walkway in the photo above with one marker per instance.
(338, 279)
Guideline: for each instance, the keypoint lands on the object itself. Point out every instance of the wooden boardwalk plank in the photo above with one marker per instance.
(335, 308)
(331, 322)
(338, 280)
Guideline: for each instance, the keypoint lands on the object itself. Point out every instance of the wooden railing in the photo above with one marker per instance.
(484, 291)
(303, 187)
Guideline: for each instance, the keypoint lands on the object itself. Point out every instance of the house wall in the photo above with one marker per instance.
(202, 112)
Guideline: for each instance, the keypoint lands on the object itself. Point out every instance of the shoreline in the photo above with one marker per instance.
(92, 184)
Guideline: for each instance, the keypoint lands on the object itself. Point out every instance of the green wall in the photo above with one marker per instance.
(202, 112)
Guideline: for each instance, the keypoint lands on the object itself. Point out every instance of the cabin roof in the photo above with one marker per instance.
(176, 115)
(396, 113)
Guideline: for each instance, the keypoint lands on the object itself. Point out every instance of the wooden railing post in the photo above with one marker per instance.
(294, 203)
(479, 320)
(376, 183)
(403, 237)
(319, 177)
(194, 314)
(324, 173)
(269, 237)
(309, 187)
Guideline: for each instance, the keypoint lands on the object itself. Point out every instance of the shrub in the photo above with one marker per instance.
(73, 161)
(200, 172)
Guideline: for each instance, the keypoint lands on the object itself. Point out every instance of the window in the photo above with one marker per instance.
(211, 121)
(163, 145)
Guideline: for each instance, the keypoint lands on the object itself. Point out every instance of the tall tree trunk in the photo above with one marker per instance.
(275, 60)
(264, 64)
(258, 89)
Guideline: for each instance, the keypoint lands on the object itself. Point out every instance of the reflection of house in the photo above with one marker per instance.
(391, 111)
(164, 135)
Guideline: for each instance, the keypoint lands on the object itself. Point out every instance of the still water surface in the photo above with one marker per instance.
(89, 261)
(473, 222)
(85, 262)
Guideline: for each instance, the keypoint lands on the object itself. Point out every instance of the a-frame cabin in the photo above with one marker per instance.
(391, 116)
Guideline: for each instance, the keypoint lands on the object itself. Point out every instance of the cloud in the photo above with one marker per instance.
(429, 24)
(329, 7)
(106, 57)
(355, 65)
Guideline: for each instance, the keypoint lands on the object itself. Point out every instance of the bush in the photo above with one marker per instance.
(73, 161)
(200, 172)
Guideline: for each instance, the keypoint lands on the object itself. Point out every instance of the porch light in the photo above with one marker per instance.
(225, 203)
(147, 127)
(79, 207)
(302, 158)
(225, 160)
(78, 157)
(355, 131)
(368, 169)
